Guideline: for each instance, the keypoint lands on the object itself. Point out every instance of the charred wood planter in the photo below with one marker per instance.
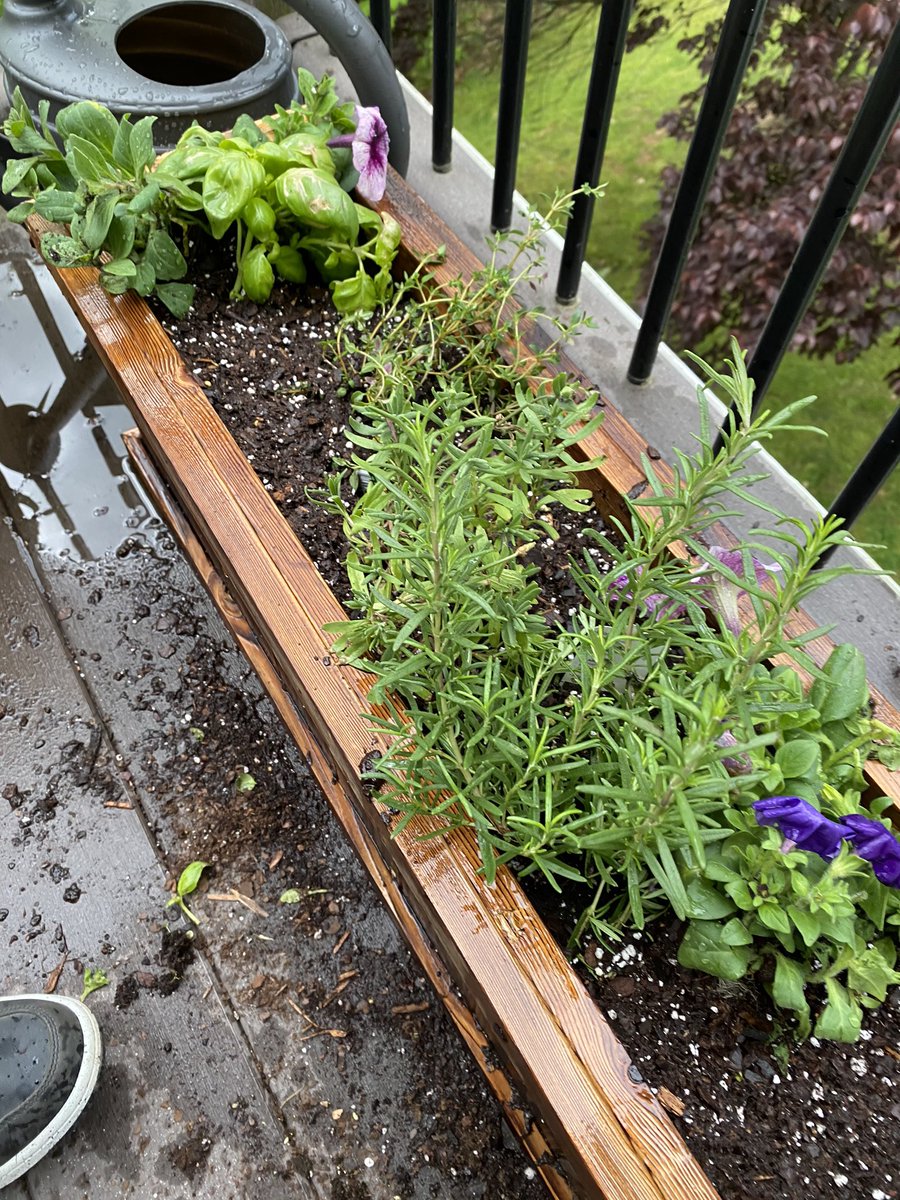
(592, 1127)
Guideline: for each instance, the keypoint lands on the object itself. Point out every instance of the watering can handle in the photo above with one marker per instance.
(365, 59)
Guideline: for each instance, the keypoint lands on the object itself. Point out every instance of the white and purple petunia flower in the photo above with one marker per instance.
(369, 144)
(874, 842)
(722, 593)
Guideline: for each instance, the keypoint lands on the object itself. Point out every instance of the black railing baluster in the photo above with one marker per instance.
(732, 54)
(857, 160)
(868, 477)
(443, 78)
(380, 11)
(609, 51)
(517, 26)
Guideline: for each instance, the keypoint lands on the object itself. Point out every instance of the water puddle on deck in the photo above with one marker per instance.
(62, 476)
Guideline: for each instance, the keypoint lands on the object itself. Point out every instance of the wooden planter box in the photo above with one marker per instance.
(591, 1126)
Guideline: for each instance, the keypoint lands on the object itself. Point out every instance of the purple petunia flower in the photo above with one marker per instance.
(370, 144)
(656, 604)
(740, 765)
(723, 594)
(801, 824)
(873, 842)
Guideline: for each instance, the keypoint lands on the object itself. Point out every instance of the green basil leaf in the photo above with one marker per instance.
(245, 127)
(190, 877)
(318, 201)
(290, 265)
(229, 184)
(308, 149)
(257, 275)
(354, 295)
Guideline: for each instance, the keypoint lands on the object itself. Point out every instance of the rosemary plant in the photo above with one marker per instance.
(626, 751)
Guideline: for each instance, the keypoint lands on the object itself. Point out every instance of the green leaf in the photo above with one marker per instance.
(21, 212)
(164, 256)
(55, 205)
(177, 297)
(841, 1018)
(16, 170)
(141, 149)
(257, 276)
(318, 201)
(703, 948)
(90, 122)
(739, 892)
(88, 162)
(289, 264)
(98, 218)
(842, 691)
(190, 877)
(120, 237)
(63, 251)
(773, 916)
(706, 903)
(229, 183)
(354, 295)
(125, 268)
(245, 127)
(871, 972)
(807, 925)
(789, 985)
(289, 896)
(144, 200)
(145, 279)
(800, 759)
(94, 979)
(245, 782)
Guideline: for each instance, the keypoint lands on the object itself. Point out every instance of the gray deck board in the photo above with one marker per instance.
(174, 1066)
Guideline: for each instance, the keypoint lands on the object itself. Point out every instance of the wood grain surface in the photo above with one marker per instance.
(615, 1138)
(527, 1132)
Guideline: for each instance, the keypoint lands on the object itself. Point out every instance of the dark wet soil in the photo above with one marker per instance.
(826, 1121)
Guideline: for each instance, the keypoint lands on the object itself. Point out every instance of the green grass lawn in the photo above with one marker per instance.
(853, 402)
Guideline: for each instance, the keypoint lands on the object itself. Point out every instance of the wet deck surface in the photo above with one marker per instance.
(299, 1054)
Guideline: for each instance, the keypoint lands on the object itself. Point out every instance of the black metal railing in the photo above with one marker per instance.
(857, 160)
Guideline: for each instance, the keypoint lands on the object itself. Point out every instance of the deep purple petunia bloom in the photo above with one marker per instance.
(370, 144)
(873, 842)
(801, 824)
